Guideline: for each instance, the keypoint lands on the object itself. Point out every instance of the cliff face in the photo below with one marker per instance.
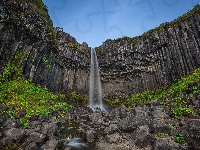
(56, 60)
(49, 57)
(152, 60)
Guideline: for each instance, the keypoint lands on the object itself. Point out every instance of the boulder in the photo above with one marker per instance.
(158, 112)
(31, 146)
(36, 137)
(112, 138)
(143, 137)
(96, 117)
(139, 117)
(166, 144)
(193, 133)
(90, 136)
(50, 144)
(159, 126)
(114, 146)
(11, 123)
(111, 129)
(49, 129)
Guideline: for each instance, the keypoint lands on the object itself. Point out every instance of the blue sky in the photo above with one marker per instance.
(94, 21)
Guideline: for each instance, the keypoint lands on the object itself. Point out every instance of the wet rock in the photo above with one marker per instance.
(2, 118)
(112, 138)
(11, 123)
(34, 124)
(158, 112)
(96, 117)
(3, 107)
(5, 141)
(159, 126)
(193, 133)
(14, 133)
(122, 112)
(154, 103)
(51, 144)
(49, 129)
(111, 129)
(138, 118)
(143, 137)
(166, 144)
(67, 148)
(114, 146)
(31, 146)
(90, 136)
(31, 130)
(36, 137)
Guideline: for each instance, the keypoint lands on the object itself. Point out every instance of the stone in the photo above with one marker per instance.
(67, 148)
(114, 146)
(143, 137)
(111, 129)
(193, 133)
(90, 136)
(158, 112)
(138, 118)
(159, 126)
(112, 138)
(3, 107)
(31, 146)
(36, 137)
(6, 140)
(96, 117)
(34, 124)
(50, 144)
(49, 129)
(166, 144)
(2, 118)
(120, 111)
(11, 123)
(14, 133)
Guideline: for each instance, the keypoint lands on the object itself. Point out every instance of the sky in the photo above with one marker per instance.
(95, 21)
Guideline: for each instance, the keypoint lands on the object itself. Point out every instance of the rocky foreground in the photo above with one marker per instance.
(149, 127)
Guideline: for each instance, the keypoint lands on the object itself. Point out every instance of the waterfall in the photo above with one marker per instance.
(95, 93)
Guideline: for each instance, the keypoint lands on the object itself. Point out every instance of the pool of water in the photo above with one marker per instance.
(72, 138)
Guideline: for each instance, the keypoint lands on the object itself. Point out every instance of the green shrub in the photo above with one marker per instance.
(180, 138)
(24, 122)
(181, 111)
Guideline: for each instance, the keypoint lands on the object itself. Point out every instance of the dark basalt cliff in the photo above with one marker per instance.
(51, 58)
(151, 60)
(55, 59)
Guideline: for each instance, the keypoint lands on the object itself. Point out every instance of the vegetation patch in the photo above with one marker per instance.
(172, 91)
(180, 138)
(22, 95)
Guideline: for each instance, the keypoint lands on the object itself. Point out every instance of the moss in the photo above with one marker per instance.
(39, 7)
(19, 94)
(73, 46)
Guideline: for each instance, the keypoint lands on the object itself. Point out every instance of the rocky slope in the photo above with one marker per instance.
(154, 126)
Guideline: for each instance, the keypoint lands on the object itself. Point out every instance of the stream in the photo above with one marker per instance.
(71, 137)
